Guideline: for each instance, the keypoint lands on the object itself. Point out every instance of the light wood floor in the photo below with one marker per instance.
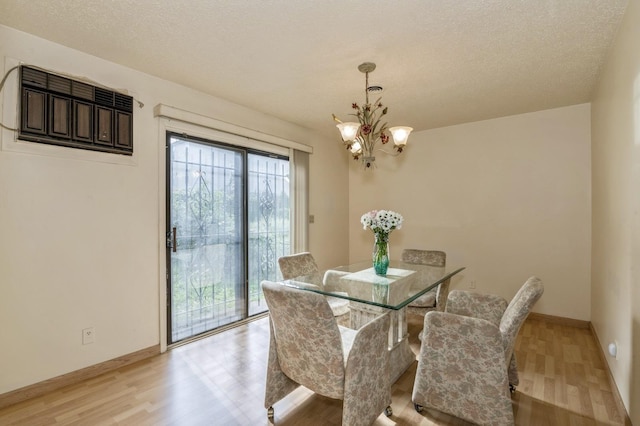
(219, 380)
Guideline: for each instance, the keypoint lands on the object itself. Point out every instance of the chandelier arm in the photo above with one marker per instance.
(393, 154)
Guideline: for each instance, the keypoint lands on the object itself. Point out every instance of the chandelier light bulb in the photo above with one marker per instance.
(400, 134)
(348, 131)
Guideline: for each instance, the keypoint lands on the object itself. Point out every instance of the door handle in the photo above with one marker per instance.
(174, 242)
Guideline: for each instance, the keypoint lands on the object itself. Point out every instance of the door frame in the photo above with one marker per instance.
(179, 121)
(242, 293)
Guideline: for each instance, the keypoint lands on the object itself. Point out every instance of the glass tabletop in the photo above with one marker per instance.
(403, 283)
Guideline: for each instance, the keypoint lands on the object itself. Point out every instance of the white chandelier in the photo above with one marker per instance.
(361, 138)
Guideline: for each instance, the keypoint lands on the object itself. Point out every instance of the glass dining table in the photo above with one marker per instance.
(371, 295)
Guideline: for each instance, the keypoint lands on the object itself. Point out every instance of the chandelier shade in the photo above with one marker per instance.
(400, 134)
(361, 137)
(348, 131)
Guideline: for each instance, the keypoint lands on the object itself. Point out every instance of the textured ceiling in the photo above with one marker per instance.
(440, 62)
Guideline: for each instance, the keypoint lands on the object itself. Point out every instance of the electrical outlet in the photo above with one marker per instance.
(472, 285)
(88, 335)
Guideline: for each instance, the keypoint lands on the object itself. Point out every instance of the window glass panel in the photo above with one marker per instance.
(207, 267)
(269, 225)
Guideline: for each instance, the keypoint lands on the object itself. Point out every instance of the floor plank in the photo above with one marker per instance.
(220, 380)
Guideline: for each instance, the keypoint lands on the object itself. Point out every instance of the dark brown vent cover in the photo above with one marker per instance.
(59, 84)
(123, 102)
(81, 90)
(103, 97)
(34, 77)
(61, 111)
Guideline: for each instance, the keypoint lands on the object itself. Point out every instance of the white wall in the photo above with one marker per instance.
(507, 198)
(79, 230)
(616, 209)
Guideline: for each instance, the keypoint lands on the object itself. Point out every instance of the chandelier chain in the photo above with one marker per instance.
(366, 87)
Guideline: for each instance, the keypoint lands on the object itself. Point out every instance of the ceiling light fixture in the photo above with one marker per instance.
(361, 138)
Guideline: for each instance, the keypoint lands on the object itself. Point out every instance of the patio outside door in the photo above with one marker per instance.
(227, 224)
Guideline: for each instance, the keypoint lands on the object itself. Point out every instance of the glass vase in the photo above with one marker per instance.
(381, 253)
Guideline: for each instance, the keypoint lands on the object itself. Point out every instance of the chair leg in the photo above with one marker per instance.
(388, 411)
(270, 414)
(418, 407)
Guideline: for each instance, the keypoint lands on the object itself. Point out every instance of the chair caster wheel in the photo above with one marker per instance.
(512, 388)
(388, 411)
(418, 407)
(270, 414)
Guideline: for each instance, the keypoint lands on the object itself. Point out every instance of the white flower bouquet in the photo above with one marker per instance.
(382, 221)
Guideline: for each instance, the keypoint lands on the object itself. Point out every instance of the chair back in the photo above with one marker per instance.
(307, 337)
(296, 265)
(424, 257)
(432, 299)
(517, 312)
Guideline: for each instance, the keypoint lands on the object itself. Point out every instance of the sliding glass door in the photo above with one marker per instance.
(228, 222)
(269, 228)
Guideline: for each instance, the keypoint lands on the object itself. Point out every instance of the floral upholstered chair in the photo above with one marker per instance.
(489, 307)
(435, 299)
(303, 266)
(464, 361)
(333, 361)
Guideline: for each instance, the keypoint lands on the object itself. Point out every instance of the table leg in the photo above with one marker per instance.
(400, 352)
